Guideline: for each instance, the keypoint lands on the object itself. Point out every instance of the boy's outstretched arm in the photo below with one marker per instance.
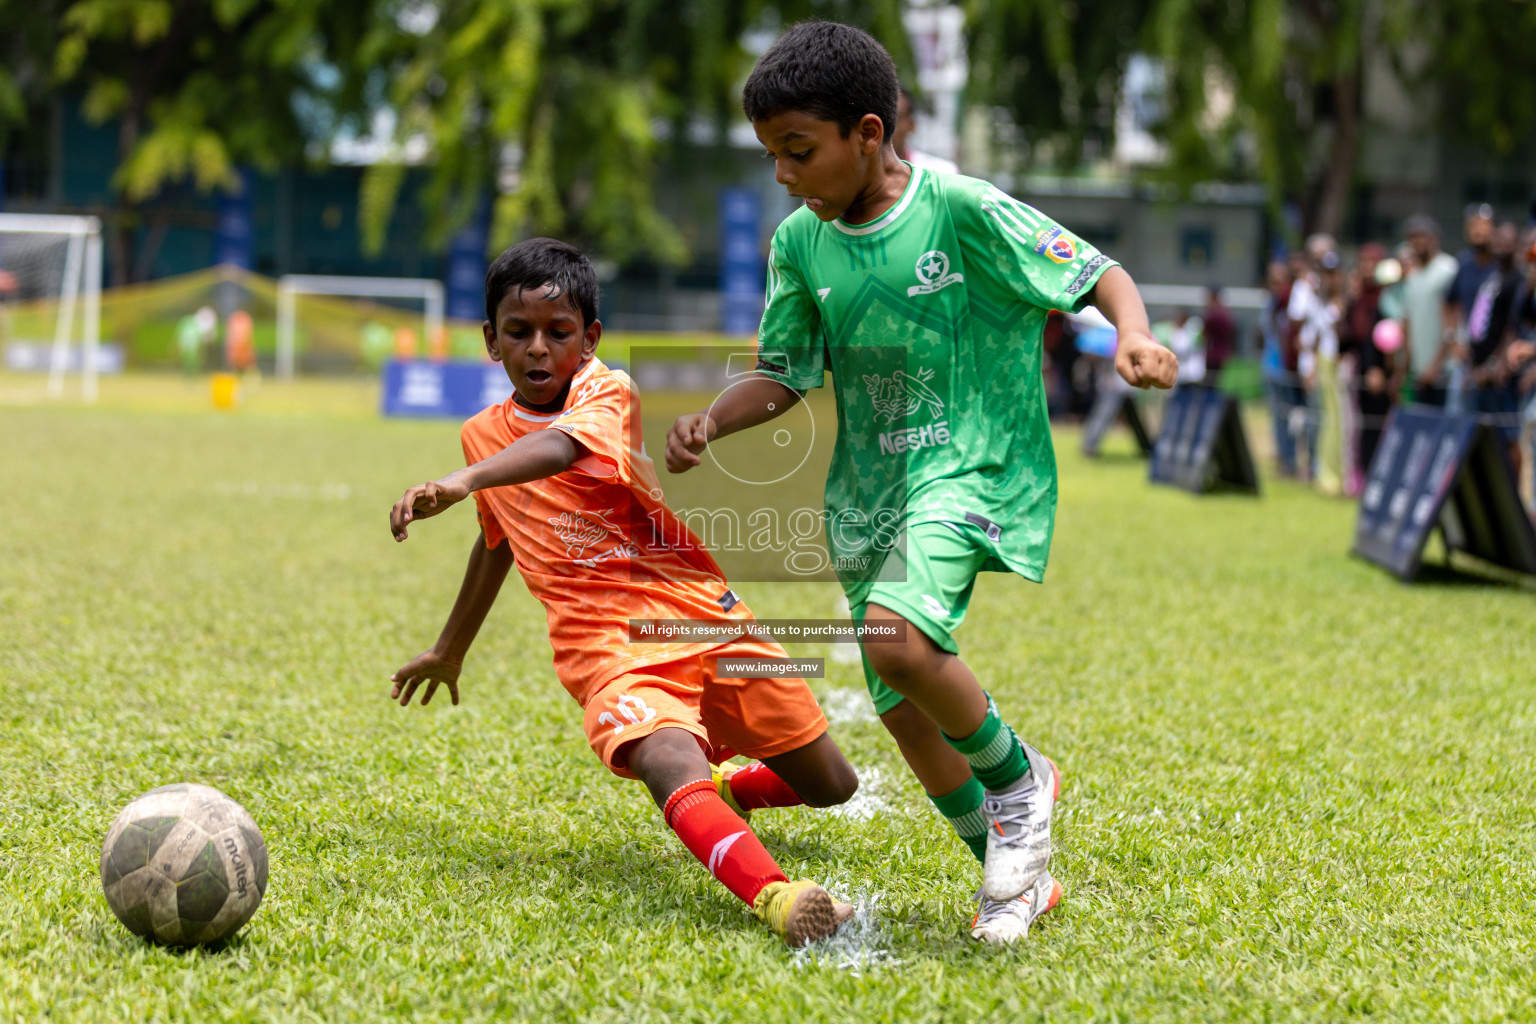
(443, 662)
(532, 457)
(1138, 357)
(755, 400)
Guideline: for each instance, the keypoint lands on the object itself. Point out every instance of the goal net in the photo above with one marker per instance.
(50, 296)
(297, 290)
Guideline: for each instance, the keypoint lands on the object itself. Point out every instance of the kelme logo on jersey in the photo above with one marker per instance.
(899, 396)
(933, 274)
(1051, 242)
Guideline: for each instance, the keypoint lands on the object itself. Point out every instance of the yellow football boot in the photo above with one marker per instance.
(720, 775)
(801, 912)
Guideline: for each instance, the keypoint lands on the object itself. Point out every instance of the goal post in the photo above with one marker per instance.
(291, 286)
(53, 263)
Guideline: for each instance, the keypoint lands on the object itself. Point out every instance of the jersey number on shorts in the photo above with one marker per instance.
(632, 708)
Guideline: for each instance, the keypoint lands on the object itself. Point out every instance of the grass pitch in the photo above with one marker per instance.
(1295, 789)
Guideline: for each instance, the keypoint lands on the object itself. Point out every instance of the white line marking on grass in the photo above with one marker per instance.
(868, 801)
(859, 946)
(847, 705)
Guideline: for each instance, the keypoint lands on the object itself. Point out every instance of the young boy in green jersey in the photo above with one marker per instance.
(924, 294)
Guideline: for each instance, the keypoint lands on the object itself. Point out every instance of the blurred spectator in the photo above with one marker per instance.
(1316, 305)
(1069, 378)
(1427, 279)
(1520, 357)
(1491, 389)
(1474, 266)
(1274, 328)
(1366, 369)
(906, 124)
(1220, 333)
(1182, 336)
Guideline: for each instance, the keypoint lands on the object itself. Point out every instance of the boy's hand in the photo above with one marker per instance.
(1143, 363)
(425, 501)
(687, 438)
(431, 668)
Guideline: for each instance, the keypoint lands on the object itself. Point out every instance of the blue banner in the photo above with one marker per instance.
(235, 238)
(464, 281)
(741, 261)
(457, 390)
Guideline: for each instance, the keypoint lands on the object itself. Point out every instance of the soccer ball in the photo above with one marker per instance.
(183, 865)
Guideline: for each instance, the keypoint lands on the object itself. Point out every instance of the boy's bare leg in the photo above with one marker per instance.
(1021, 784)
(673, 767)
(665, 760)
(939, 767)
(944, 773)
(935, 680)
(818, 772)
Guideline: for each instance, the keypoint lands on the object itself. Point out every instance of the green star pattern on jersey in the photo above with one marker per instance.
(930, 320)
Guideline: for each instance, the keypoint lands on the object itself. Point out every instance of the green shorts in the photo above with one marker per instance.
(942, 560)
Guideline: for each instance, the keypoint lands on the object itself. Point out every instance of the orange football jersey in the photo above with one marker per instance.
(596, 544)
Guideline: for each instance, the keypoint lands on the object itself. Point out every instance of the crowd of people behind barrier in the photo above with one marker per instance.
(1342, 345)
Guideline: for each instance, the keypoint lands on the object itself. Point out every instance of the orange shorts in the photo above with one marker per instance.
(758, 717)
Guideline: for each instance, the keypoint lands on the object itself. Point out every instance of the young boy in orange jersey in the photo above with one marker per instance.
(565, 491)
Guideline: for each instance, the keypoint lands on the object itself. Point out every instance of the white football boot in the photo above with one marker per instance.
(1001, 922)
(1019, 829)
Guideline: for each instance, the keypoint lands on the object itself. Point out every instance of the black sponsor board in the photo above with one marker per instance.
(1434, 469)
(1201, 446)
(1110, 407)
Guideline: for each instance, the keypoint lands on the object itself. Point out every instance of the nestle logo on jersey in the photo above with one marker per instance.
(894, 442)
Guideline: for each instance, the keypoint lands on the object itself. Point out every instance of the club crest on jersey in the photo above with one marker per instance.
(1051, 242)
(933, 274)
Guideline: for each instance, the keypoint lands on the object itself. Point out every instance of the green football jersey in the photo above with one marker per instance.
(930, 320)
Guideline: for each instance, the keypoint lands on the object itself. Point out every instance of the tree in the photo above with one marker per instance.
(561, 108)
(1295, 68)
(195, 89)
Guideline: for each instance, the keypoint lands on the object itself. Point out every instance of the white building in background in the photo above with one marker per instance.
(937, 33)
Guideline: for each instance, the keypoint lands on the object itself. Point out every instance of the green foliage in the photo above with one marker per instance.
(26, 59)
(1290, 65)
(561, 108)
(1295, 789)
(1484, 58)
(1055, 67)
(196, 87)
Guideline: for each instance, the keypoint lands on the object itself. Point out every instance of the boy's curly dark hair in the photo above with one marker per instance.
(830, 71)
(540, 261)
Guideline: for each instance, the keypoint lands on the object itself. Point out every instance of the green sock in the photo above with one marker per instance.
(963, 809)
(994, 752)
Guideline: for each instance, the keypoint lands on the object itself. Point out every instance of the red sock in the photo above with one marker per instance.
(720, 839)
(756, 785)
